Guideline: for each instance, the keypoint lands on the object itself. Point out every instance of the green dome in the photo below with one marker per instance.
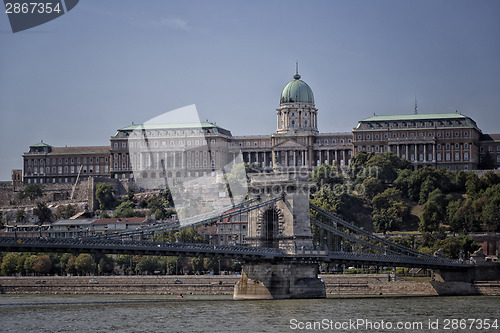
(297, 91)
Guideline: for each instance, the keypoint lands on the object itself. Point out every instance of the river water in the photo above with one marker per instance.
(167, 313)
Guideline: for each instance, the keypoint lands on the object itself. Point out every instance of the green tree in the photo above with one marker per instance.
(125, 209)
(326, 175)
(43, 212)
(197, 264)
(29, 264)
(33, 192)
(373, 186)
(104, 196)
(71, 265)
(106, 265)
(20, 216)
(84, 264)
(389, 210)
(65, 211)
(430, 217)
(454, 246)
(9, 264)
(147, 264)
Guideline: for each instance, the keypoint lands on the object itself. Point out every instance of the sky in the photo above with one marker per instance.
(105, 64)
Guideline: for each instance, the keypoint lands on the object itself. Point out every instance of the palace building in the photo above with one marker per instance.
(445, 140)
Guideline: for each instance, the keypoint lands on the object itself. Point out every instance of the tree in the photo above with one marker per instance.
(20, 216)
(71, 265)
(197, 264)
(29, 264)
(43, 265)
(43, 212)
(454, 246)
(125, 209)
(84, 264)
(65, 211)
(326, 175)
(430, 217)
(33, 192)
(373, 186)
(104, 196)
(9, 264)
(147, 264)
(389, 210)
(106, 265)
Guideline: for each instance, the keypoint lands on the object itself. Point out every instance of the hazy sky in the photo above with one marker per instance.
(77, 79)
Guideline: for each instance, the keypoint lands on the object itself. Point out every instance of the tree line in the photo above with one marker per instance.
(41, 264)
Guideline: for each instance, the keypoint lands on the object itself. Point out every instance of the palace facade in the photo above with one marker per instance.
(445, 140)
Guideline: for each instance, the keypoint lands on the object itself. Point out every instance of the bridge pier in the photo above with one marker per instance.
(267, 280)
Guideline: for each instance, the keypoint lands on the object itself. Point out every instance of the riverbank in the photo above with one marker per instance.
(336, 285)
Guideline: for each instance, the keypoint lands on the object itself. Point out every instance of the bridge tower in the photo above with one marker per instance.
(284, 225)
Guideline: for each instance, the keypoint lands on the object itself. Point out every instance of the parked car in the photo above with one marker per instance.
(177, 281)
(93, 281)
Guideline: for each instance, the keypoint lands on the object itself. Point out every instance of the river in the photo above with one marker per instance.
(193, 313)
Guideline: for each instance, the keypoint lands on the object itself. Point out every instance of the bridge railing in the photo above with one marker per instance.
(114, 243)
(196, 221)
(394, 246)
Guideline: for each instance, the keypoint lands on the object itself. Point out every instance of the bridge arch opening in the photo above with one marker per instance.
(270, 228)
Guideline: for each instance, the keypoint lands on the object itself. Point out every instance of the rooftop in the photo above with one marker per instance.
(130, 220)
(170, 126)
(428, 116)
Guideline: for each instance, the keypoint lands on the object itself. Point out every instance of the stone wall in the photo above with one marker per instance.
(336, 285)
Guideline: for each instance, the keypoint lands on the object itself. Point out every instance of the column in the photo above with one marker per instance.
(328, 157)
(286, 158)
(303, 158)
(397, 151)
(407, 151)
(433, 152)
(425, 152)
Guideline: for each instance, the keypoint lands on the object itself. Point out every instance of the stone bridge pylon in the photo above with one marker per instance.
(286, 225)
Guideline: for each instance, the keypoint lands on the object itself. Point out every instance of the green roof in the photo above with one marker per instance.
(169, 126)
(297, 91)
(41, 144)
(428, 116)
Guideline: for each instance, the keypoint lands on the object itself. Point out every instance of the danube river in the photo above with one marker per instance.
(135, 313)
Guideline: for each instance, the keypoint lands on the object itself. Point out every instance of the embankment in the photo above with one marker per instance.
(336, 285)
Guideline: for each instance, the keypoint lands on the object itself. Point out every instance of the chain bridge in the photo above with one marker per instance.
(281, 259)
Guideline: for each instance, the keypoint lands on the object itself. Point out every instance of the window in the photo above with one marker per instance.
(115, 145)
(466, 156)
(376, 136)
(124, 145)
(456, 133)
(490, 148)
(368, 137)
(466, 134)
(448, 156)
(447, 146)
(116, 165)
(438, 146)
(447, 134)
(457, 157)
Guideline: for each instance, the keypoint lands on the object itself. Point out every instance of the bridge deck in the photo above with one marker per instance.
(93, 245)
